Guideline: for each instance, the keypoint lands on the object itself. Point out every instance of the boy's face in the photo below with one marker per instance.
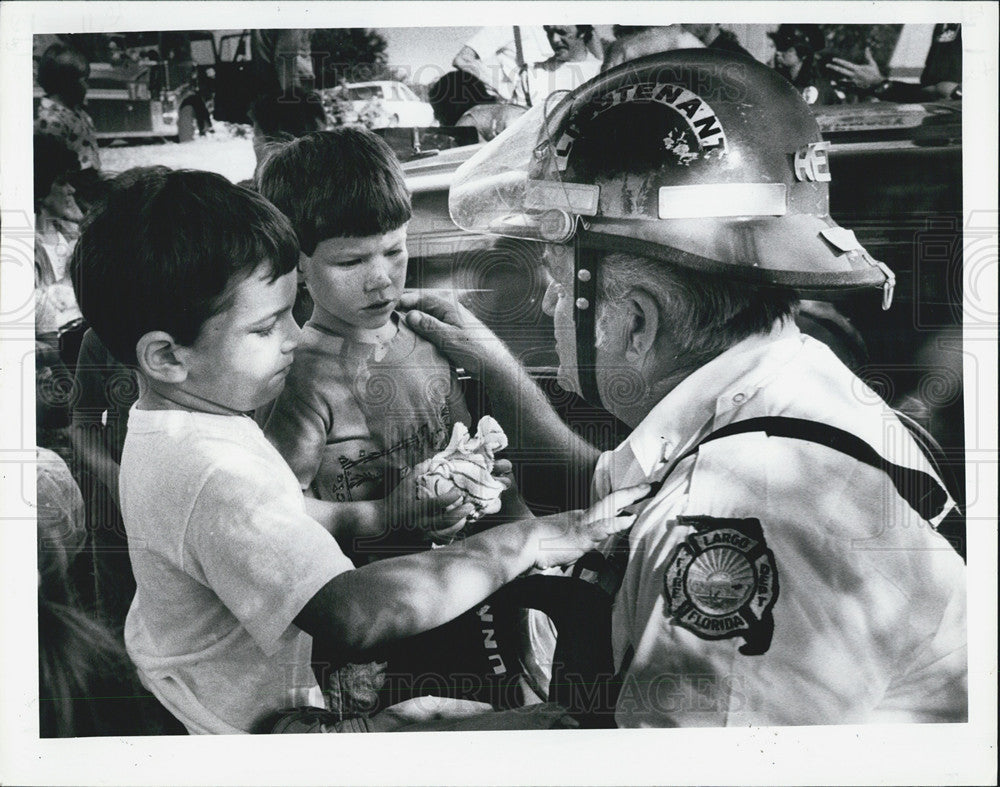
(357, 282)
(242, 355)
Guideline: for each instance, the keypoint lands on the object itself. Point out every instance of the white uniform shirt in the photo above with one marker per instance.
(868, 602)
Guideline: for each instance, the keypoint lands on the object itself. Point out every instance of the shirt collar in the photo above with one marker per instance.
(723, 384)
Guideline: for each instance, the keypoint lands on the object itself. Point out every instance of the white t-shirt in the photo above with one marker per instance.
(857, 607)
(224, 557)
(498, 53)
(550, 76)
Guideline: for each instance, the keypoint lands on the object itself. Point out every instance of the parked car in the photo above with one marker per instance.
(382, 104)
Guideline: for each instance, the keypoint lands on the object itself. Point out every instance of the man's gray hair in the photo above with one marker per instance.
(703, 314)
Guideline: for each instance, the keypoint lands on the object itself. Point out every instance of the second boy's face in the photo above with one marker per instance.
(356, 283)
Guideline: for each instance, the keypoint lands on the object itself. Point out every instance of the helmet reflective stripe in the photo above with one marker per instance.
(699, 158)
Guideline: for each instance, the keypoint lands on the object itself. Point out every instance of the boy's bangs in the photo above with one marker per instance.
(372, 206)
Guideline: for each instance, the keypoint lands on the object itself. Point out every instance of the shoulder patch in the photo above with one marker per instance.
(722, 582)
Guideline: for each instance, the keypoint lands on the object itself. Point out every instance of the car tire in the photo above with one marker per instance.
(185, 123)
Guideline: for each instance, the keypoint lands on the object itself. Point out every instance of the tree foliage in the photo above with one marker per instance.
(353, 54)
(849, 42)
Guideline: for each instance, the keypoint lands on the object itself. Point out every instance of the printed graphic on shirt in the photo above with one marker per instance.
(721, 582)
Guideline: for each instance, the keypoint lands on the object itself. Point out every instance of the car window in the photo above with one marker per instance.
(363, 92)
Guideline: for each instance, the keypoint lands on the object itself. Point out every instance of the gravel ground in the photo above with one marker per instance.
(223, 151)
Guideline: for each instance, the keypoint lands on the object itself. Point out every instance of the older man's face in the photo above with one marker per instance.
(558, 304)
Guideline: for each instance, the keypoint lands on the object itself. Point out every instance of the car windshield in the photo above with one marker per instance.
(362, 92)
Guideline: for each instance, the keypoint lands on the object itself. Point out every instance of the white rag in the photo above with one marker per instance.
(466, 464)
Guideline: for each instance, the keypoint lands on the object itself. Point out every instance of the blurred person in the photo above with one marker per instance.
(104, 390)
(715, 36)
(58, 320)
(282, 59)
(491, 56)
(941, 77)
(62, 73)
(572, 63)
(796, 58)
(632, 42)
(86, 683)
(281, 117)
(456, 93)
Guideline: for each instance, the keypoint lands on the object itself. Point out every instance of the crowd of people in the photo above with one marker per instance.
(231, 536)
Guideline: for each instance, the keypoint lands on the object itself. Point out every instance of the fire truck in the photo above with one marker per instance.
(148, 85)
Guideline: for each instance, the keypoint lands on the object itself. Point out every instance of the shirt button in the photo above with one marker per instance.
(740, 398)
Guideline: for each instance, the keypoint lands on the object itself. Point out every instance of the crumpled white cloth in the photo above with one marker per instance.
(466, 464)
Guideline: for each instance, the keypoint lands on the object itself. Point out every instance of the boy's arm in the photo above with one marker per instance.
(517, 402)
(359, 612)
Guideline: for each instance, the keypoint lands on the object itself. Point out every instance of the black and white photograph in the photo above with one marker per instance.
(609, 401)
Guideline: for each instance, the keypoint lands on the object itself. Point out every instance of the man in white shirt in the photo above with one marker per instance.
(786, 569)
(572, 63)
(491, 55)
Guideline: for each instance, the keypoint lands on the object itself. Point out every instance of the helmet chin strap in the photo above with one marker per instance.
(585, 261)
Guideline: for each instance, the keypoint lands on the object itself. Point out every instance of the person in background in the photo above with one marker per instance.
(941, 77)
(572, 63)
(58, 321)
(796, 58)
(282, 59)
(456, 93)
(715, 36)
(282, 117)
(62, 75)
(104, 391)
(490, 56)
(632, 42)
(86, 684)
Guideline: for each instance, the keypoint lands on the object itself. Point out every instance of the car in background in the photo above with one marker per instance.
(381, 104)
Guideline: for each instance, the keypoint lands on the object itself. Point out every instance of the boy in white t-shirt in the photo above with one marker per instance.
(237, 581)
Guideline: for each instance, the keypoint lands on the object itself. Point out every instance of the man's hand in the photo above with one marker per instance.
(566, 537)
(865, 75)
(456, 332)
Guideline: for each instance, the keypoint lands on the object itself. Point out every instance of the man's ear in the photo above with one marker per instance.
(161, 358)
(643, 325)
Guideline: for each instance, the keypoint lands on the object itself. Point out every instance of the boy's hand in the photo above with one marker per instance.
(442, 517)
(455, 330)
(564, 538)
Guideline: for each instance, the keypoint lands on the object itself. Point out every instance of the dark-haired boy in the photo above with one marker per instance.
(367, 399)
(236, 580)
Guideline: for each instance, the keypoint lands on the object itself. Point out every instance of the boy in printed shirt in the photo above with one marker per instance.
(239, 583)
(367, 399)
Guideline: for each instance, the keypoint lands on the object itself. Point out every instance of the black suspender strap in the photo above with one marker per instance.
(921, 491)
